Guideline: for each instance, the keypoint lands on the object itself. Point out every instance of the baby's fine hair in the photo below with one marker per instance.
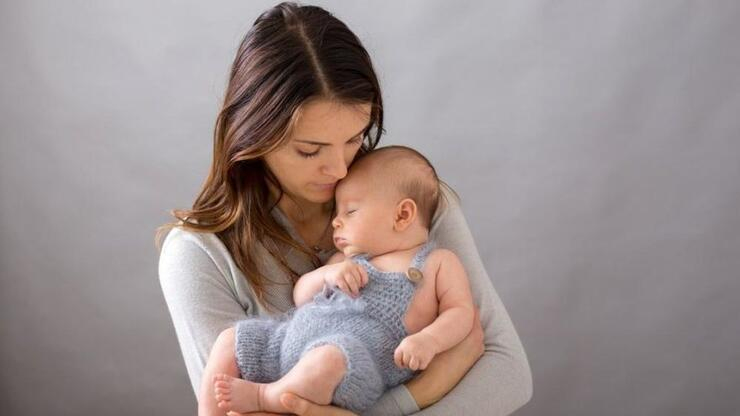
(409, 172)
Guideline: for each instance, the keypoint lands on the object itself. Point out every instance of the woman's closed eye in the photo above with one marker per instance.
(308, 155)
(306, 152)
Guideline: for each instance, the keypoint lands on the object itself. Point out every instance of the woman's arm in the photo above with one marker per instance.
(500, 381)
(200, 300)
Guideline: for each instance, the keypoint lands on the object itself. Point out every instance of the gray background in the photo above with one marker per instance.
(596, 147)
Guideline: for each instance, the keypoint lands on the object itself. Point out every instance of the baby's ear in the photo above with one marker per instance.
(405, 214)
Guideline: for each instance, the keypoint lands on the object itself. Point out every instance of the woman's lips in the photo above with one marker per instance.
(326, 186)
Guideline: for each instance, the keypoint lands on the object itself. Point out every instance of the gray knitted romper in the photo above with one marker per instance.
(367, 329)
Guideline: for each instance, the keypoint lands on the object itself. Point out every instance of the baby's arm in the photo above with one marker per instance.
(349, 277)
(312, 282)
(455, 317)
(339, 272)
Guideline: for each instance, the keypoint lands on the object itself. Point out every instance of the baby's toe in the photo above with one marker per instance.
(221, 377)
(222, 385)
(222, 393)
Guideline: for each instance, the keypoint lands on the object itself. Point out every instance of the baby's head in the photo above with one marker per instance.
(386, 202)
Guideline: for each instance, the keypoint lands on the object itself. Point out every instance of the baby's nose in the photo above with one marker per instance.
(335, 222)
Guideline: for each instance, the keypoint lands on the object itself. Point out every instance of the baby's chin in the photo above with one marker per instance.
(350, 251)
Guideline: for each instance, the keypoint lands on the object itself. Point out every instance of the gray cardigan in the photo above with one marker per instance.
(206, 293)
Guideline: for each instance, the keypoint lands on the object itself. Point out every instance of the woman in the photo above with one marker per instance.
(302, 101)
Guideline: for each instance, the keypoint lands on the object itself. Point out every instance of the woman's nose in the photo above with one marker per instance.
(337, 166)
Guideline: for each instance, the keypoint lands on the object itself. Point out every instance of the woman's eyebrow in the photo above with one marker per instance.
(328, 144)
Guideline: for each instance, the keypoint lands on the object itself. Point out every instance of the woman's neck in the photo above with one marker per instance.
(304, 212)
(310, 221)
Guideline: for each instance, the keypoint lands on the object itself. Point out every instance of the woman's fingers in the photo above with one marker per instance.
(474, 339)
(477, 327)
(302, 407)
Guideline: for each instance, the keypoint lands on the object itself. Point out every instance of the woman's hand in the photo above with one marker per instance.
(448, 368)
(301, 407)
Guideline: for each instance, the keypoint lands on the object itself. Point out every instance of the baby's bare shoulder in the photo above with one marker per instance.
(442, 255)
(438, 259)
(445, 266)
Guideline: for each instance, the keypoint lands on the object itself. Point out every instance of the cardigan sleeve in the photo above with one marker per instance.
(199, 296)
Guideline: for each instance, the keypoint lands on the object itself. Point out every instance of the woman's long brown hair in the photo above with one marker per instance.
(291, 54)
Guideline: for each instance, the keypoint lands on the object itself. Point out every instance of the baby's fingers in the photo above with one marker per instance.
(363, 276)
(398, 358)
(406, 360)
(413, 363)
(359, 279)
(342, 285)
(352, 283)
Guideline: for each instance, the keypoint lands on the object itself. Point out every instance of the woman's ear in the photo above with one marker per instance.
(405, 214)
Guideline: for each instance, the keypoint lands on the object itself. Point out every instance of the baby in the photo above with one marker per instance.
(380, 309)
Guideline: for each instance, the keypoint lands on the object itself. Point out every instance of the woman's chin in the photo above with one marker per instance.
(316, 198)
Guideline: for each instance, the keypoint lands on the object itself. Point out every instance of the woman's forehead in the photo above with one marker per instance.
(325, 121)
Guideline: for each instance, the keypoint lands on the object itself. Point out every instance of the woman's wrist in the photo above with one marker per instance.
(427, 387)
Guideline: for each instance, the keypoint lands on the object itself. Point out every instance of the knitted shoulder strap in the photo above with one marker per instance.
(421, 255)
(361, 259)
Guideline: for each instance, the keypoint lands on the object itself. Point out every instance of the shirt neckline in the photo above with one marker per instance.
(280, 216)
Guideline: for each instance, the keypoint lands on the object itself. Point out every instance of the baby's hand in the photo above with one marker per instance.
(415, 351)
(348, 276)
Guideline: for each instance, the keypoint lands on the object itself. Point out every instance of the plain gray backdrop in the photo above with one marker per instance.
(595, 145)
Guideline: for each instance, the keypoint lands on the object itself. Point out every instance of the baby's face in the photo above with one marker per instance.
(365, 217)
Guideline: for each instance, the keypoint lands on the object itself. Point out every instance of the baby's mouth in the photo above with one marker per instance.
(340, 242)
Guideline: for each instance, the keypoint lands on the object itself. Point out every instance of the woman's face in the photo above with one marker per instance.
(323, 143)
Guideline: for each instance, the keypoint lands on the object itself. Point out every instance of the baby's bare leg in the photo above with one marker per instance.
(314, 377)
(221, 360)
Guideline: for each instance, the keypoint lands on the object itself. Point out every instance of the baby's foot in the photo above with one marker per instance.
(241, 396)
